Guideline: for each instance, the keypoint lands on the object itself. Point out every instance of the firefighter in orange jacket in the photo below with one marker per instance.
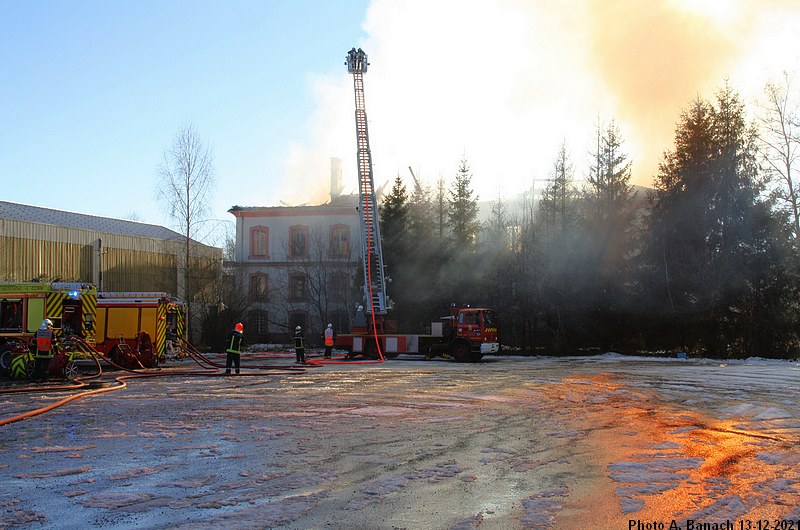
(234, 349)
(44, 338)
(330, 337)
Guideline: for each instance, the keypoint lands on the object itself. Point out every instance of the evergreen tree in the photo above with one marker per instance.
(558, 203)
(713, 245)
(608, 238)
(440, 214)
(394, 213)
(462, 209)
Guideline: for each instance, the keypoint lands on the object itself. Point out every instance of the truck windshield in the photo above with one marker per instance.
(488, 319)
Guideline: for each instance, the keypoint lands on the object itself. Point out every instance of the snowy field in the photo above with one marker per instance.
(591, 442)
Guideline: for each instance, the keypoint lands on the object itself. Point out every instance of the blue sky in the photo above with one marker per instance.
(93, 92)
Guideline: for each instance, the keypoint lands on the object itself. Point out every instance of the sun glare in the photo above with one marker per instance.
(720, 11)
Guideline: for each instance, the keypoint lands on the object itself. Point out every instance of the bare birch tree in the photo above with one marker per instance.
(780, 139)
(186, 182)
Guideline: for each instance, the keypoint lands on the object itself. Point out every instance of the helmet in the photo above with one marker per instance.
(330, 325)
(239, 327)
(46, 323)
(297, 328)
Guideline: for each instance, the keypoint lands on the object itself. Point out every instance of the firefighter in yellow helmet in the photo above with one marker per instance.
(44, 337)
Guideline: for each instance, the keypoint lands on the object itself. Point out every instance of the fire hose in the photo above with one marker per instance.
(210, 370)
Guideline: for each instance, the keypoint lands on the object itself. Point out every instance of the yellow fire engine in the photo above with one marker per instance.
(138, 328)
(70, 306)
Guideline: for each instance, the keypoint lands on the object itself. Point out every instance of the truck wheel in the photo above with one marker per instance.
(461, 352)
(70, 370)
(5, 360)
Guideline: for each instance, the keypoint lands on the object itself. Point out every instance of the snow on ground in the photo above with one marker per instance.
(508, 443)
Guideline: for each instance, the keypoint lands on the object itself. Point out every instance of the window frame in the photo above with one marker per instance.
(292, 294)
(254, 296)
(338, 249)
(293, 231)
(254, 230)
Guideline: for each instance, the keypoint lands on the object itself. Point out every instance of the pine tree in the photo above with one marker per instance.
(462, 209)
(394, 213)
(712, 246)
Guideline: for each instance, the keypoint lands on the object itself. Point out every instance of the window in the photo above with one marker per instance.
(259, 242)
(298, 319)
(258, 289)
(297, 287)
(258, 324)
(11, 315)
(298, 242)
(337, 287)
(471, 318)
(339, 241)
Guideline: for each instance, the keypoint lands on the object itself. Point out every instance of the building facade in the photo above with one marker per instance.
(297, 266)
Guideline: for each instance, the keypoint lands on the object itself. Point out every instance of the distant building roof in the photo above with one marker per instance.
(38, 214)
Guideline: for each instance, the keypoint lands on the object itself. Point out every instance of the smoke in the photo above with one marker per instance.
(504, 83)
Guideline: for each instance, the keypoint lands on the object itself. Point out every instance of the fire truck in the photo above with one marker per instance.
(466, 334)
(71, 307)
(138, 328)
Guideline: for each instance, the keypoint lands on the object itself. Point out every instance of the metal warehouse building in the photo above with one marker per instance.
(112, 254)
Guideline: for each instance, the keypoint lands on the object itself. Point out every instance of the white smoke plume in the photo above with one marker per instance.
(503, 83)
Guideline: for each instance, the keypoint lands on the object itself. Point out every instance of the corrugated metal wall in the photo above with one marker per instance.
(28, 250)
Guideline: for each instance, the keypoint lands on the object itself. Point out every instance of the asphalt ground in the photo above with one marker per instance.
(511, 442)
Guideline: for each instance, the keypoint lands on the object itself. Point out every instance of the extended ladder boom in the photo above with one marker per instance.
(371, 251)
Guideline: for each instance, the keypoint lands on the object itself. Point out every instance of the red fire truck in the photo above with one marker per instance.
(467, 335)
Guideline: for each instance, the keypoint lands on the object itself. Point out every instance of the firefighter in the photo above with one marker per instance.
(330, 337)
(44, 338)
(234, 349)
(299, 347)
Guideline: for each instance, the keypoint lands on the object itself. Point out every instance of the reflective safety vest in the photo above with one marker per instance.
(44, 343)
(328, 337)
(298, 341)
(235, 342)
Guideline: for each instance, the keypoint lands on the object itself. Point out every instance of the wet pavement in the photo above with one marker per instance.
(603, 442)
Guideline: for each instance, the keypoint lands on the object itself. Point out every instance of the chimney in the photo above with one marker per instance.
(336, 177)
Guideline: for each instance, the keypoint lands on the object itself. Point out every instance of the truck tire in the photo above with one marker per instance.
(70, 370)
(460, 351)
(5, 359)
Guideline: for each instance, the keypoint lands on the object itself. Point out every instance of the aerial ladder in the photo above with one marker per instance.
(371, 251)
